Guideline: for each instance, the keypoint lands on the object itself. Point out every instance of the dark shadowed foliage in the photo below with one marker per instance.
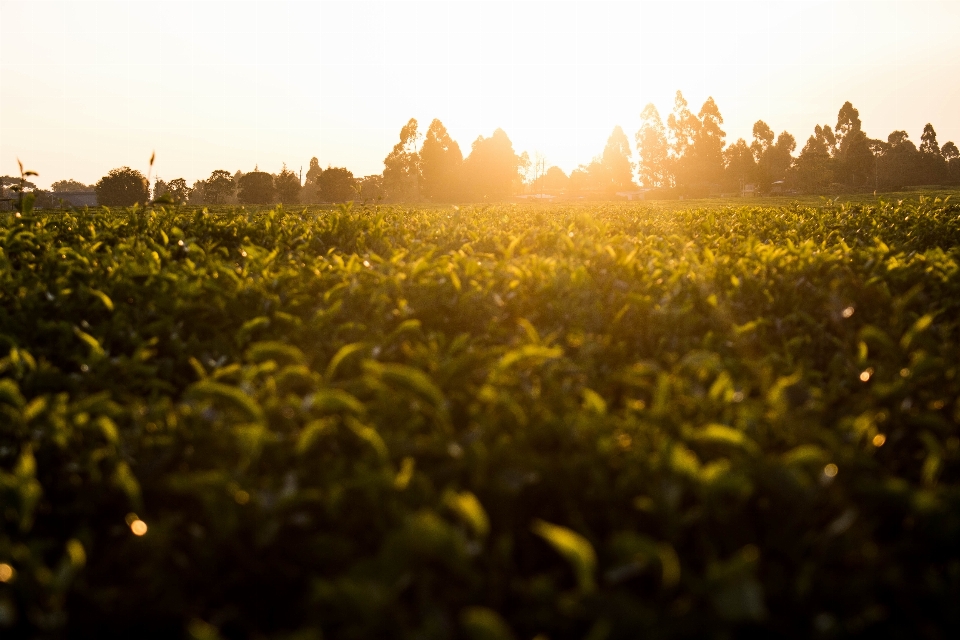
(122, 187)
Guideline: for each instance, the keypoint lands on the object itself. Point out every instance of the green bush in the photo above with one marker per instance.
(603, 422)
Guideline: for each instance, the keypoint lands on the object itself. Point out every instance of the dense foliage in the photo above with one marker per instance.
(256, 187)
(122, 187)
(607, 422)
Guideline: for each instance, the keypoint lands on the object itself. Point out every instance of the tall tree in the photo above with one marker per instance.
(615, 162)
(933, 167)
(762, 140)
(683, 128)
(950, 151)
(337, 185)
(177, 190)
(708, 144)
(781, 156)
(814, 165)
(951, 156)
(490, 172)
(855, 162)
(652, 150)
(256, 187)
(555, 180)
(440, 161)
(773, 159)
(928, 141)
(401, 167)
(900, 164)
(740, 165)
(122, 187)
(287, 184)
(370, 187)
(218, 187)
(311, 182)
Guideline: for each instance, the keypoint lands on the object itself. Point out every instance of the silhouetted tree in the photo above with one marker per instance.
(928, 141)
(311, 182)
(287, 184)
(683, 128)
(337, 185)
(524, 167)
(490, 171)
(401, 167)
(899, 161)
(933, 168)
(652, 150)
(64, 186)
(219, 187)
(177, 189)
(256, 187)
(615, 162)
(763, 137)
(696, 145)
(370, 187)
(762, 140)
(440, 162)
(741, 167)
(814, 165)
(122, 187)
(773, 159)
(951, 156)
(553, 181)
(708, 145)
(855, 162)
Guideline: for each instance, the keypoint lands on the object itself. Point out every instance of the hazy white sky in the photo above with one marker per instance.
(89, 86)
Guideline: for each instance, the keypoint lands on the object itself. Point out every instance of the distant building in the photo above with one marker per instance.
(777, 187)
(748, 191)
(638, 194)
(77, 198)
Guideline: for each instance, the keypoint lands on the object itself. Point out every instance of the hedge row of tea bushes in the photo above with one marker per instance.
(501, 422)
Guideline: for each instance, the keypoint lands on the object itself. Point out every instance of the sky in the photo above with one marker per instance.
(89, 86)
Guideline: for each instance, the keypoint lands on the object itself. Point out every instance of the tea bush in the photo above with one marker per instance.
(497, 422)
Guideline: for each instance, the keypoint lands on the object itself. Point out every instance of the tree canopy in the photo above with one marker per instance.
(401, 167)
(337, 185)
(440, 162)
(122, 187)
(256, 187)
(491, 169)
(287, 184)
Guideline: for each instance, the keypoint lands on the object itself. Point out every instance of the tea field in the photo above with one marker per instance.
(600, 421)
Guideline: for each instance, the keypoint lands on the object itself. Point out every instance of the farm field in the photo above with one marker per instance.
(661, 420)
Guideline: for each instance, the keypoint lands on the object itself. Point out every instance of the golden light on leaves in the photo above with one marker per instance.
(879, 440)
(139, 527)
(865, 375)
(6, 572)
(830, 470)
(848, 312)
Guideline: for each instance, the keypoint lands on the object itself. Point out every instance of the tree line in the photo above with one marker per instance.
(686, 156)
